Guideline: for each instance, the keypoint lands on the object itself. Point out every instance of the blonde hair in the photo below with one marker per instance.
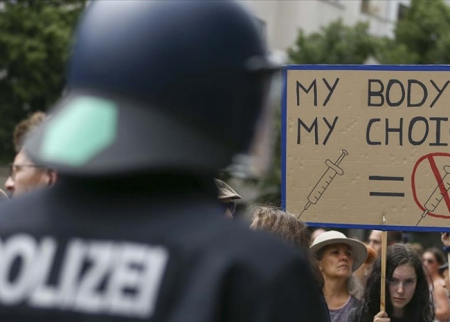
(25, 128)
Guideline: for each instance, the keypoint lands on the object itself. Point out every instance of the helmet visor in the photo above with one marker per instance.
(258, 159)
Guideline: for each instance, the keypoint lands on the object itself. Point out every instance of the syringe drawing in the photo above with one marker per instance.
(325, 180)
(438, 194)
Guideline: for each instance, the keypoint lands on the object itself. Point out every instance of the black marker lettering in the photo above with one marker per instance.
(424, 93)
(369, 126)
(330, 127)
(440, 91)
(313, 85)
(410, 130)
(375, 93)
(331, 89)
(309, 129)
(398, 130)
(438, 130)
(391, 83)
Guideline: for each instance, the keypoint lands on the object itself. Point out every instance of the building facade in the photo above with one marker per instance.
(281, 20)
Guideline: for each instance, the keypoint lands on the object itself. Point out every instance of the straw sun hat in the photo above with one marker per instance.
(334, 237)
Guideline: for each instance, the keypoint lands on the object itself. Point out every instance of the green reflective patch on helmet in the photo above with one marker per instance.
(84, 128)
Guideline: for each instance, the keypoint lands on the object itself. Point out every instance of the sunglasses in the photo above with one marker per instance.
(224, 206)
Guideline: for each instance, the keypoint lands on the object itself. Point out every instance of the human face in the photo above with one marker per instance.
(25, 176)
(430, 262)
(401, 287)
(375, 240)
(337, 261)
(446, 279)
(229, 207)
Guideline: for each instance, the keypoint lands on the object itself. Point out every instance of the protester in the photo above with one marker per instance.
(338, 257)
(393, 237)
(287, 227)
(227, 197)
(27, 127)
(445, 238)
(161, 95)
(291, 230)
(24, 175)
(433, 258)
(408, 298)
(418, 247)
(443, 271)
(315, 233)
(362, 273)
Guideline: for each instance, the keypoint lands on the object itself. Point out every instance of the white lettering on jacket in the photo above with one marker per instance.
(95, 277)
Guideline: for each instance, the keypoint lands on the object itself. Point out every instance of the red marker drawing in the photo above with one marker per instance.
(438, 194)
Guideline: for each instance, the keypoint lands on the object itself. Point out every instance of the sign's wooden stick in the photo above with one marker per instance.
(383, 271)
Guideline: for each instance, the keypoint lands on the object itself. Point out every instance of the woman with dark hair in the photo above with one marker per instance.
(408, 297)
(432, 259)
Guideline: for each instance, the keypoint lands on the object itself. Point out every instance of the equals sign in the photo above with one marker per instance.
(386, 194)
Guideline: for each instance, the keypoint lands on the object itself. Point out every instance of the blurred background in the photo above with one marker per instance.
(35, 42)
(349, 32)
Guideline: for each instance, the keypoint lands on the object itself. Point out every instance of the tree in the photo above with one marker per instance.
(421, 37)
(34, 46)
(334, 44)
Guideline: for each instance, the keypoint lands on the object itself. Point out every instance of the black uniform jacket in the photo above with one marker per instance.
(78, 253)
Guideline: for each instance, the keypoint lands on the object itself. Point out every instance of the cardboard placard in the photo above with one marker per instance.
(363, 142)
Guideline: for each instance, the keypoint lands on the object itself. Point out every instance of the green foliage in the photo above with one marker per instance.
(34, 45)
(334, 44)
(389, 51)
(421, 37)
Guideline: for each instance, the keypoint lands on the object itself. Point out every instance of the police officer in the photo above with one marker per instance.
(130, 232)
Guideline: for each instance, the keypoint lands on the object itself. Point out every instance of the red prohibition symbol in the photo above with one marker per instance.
(439, 182)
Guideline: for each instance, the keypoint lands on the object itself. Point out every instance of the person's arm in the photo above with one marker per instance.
(443, 312)
(441, 303)
(445, 238)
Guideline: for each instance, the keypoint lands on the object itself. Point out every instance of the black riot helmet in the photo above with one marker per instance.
(158, 85)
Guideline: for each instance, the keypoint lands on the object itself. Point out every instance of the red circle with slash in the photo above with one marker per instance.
(430, 158)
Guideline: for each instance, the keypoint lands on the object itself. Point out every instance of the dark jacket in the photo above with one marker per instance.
(96, 252)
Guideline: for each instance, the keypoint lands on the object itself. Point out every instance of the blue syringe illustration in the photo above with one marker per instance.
(325, 180)
(436, 197)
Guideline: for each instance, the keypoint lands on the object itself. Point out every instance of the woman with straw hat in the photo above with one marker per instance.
(338, 257)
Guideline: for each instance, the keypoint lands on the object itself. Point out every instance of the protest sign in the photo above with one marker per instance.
(363, 142)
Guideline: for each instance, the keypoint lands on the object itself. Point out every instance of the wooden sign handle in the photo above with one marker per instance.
(383, 271)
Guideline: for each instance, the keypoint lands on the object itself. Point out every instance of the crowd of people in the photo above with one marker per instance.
(414, 287)
(117, 213)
